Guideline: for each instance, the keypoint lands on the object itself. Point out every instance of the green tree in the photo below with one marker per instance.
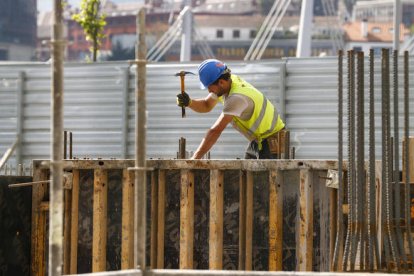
(93, 22)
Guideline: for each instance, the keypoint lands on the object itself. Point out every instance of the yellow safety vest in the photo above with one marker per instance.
(265, 120)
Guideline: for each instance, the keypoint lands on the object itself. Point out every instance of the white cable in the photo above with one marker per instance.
(269, 37)
(268, 28)
(261, 30)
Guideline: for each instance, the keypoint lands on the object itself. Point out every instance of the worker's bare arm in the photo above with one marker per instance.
(212, 135)
(203, 105)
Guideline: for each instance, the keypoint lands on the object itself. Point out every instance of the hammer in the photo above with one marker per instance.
(182, 75)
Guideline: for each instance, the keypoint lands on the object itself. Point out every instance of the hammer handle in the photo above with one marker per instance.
(182, 92)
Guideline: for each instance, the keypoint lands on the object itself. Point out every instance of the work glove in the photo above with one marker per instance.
(183, 99)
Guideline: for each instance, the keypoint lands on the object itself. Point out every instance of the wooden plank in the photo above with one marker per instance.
(242, 221)
(100, 205)
(67, 230)
(38, 259)
(216, 220)
(186, 220)
(127, 243)
(325, 232)
(74, 224)
(154, 219)
(251, 165)
(410, 160)
(304, 248)
(161, 218)
(275, 220)
(249, 220)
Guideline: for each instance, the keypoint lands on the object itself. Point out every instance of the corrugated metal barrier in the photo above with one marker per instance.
(99, 102)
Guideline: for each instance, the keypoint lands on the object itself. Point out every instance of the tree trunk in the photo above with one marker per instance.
(95, 49)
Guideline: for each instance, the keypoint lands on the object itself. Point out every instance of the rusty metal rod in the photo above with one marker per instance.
(339, 243)
(407, 199)
(70, 145)
(25, 184)
(360, 150)
(388, 235)
(350, 56)
(396, 175)
(371, 198)
(65, 144)
(353, 201)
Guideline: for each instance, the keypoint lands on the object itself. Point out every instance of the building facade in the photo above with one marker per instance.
(17, 29)
(383, 11)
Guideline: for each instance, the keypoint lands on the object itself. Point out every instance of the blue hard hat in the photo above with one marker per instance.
(209, 71)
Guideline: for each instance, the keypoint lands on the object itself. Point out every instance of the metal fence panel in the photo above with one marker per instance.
(99, 97)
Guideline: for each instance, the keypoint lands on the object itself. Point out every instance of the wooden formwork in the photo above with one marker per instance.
(310, 176)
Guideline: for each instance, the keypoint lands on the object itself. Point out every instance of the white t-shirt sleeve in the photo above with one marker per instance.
(235, 105)
(212, 96)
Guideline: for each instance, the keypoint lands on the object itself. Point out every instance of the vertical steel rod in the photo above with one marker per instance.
(56, 190)
(360, 154)
(140, 142)
(407, 199)
(70, 145)
(352, 171)
(388, 239)
(350, 56)
(372, 238)
(65, 144)
(338, 253)
(396, 178)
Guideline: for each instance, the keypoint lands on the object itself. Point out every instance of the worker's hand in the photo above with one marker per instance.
(183, 99)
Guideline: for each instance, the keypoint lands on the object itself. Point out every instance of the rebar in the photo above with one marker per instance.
(340, 218)
(352, 206)
(371, 203)
(351, 159)
(407, 199)
(386, 201)
(396, 155)
(360, 158)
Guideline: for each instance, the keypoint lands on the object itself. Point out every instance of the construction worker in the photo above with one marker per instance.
(246, 108)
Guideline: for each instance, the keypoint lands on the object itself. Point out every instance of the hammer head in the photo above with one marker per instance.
(183, 73)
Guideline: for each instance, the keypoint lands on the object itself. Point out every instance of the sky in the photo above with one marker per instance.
(47, 5)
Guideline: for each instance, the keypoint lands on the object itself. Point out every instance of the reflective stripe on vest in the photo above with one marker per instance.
(259, 125)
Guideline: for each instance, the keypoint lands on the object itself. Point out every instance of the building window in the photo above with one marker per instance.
(219, 34)
(3, 54)
(252, 33)
(376, 30)
(236, 33)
